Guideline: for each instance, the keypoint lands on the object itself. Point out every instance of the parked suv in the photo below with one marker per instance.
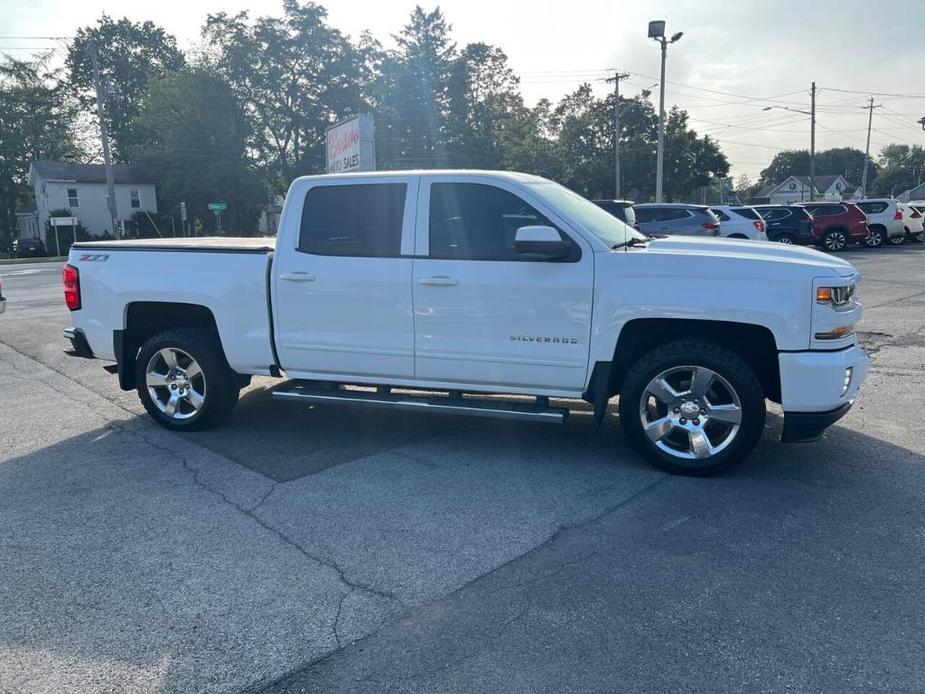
(738, 222)
(912, 223)
(29, 248)
(789, 224)
(621, 209)
(884, 221)
(837, 224)
(676, 218)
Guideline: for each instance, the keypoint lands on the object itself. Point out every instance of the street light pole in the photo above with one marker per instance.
(657, 32)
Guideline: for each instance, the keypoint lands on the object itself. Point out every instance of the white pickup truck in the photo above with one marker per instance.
(443, 290)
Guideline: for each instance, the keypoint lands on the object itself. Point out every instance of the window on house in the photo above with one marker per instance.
(72, 199)
(135, 196)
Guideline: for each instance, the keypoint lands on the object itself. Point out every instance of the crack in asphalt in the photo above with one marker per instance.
(138, 430)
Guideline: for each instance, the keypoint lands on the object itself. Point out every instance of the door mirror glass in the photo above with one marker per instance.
(541, 241)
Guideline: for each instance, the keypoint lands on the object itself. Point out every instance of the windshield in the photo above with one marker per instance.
(589, 216)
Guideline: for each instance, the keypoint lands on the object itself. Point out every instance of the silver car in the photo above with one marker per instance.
(676, 218)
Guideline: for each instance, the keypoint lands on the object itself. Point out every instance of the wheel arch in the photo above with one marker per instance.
(143, 319)
(754, 343)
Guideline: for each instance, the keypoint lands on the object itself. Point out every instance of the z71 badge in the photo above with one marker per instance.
(94, 257)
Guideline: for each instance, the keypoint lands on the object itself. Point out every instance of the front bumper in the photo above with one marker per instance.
(79, 345)
(803, 427)
(818, 388)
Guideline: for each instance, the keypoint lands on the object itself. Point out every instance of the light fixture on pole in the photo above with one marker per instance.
(657, 32)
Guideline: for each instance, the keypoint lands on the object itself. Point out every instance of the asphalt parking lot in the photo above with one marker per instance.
(301, 549)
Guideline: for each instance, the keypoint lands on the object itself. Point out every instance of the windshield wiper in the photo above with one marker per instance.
(632, 242)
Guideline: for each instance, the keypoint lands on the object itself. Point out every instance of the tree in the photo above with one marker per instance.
(484, 104)
(847, 161)
(192, 137)
(130, 55)
(902, 167)
(37, 121)
(690, 161)
(295, 76)
(414, 93)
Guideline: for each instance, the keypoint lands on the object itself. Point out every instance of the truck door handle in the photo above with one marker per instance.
(298, 277)
(439, 281)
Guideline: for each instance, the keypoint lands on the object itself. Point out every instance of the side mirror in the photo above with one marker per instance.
(541, 241)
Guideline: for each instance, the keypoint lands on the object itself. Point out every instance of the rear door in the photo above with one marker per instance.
(485, 315)
(342, 279)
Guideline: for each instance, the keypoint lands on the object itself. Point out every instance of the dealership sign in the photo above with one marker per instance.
(350, 145)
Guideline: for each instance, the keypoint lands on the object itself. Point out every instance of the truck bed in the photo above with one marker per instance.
(202, 244)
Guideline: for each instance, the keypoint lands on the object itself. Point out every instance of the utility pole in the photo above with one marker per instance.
(812, 144)
(617, 76)
(870, 121)
(104, 136)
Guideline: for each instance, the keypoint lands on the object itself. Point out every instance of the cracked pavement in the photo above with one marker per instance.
(302, 549)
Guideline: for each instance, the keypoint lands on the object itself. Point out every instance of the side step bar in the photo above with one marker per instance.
(381, 398)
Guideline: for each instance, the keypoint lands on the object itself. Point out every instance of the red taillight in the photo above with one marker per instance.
(898, 215)
(759, 225)
(710, 225)
(71, 278)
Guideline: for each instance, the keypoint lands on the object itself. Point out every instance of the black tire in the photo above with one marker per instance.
(834, 240)
(875, 237)
(786, 237)
(219, 384)
(704, 354)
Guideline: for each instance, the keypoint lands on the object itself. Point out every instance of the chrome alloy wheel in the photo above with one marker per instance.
(835, 241)
(175, 383)
(690, 412)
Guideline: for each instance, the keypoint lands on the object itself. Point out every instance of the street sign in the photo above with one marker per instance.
(218, 206)
(63, 221)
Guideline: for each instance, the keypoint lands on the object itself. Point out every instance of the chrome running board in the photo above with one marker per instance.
(381, 397)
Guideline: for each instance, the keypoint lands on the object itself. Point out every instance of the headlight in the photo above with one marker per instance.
(836, 296)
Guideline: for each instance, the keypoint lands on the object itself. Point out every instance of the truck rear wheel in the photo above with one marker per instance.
(184, 381)
(692, 407)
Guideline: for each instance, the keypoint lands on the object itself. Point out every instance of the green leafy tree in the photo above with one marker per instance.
(192, 138)
(414, 94)
(484, 105)
(902, 167)
(846, 161)
(295, 76)
(130, 54)
(37, 121)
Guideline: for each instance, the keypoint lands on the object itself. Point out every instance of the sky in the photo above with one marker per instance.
(736, 58)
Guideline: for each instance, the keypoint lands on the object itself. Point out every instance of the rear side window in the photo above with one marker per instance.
(746, 212)
(774, 215)
(873, 207)
(613, 208)
(473, 221)
(648, 214)
(671, 213)
(363, 220)
(723, 217)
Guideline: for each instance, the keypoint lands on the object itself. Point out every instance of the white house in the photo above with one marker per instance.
(795, 189)
(81, 188)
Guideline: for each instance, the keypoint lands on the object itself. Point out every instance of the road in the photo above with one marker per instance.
(302, 549)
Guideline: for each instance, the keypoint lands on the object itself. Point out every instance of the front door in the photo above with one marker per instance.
(485, 315)
(342, 280)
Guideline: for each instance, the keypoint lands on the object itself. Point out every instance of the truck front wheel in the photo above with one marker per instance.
(184, 381)
(692, 407)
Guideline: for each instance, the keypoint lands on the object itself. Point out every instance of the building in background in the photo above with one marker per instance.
(81, 188)
(794, 189)
(916, 193)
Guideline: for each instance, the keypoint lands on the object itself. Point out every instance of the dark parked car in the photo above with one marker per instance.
(676, 218)
(787, 224)
(621, 209)
(837, 224)
(29, 248)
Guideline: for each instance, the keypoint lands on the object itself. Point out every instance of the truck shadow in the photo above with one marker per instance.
(118, 564)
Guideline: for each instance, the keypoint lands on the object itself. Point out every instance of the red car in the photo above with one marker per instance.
(837, 224)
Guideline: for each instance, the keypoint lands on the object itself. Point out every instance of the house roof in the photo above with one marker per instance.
(88, 173)
(823, 183)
